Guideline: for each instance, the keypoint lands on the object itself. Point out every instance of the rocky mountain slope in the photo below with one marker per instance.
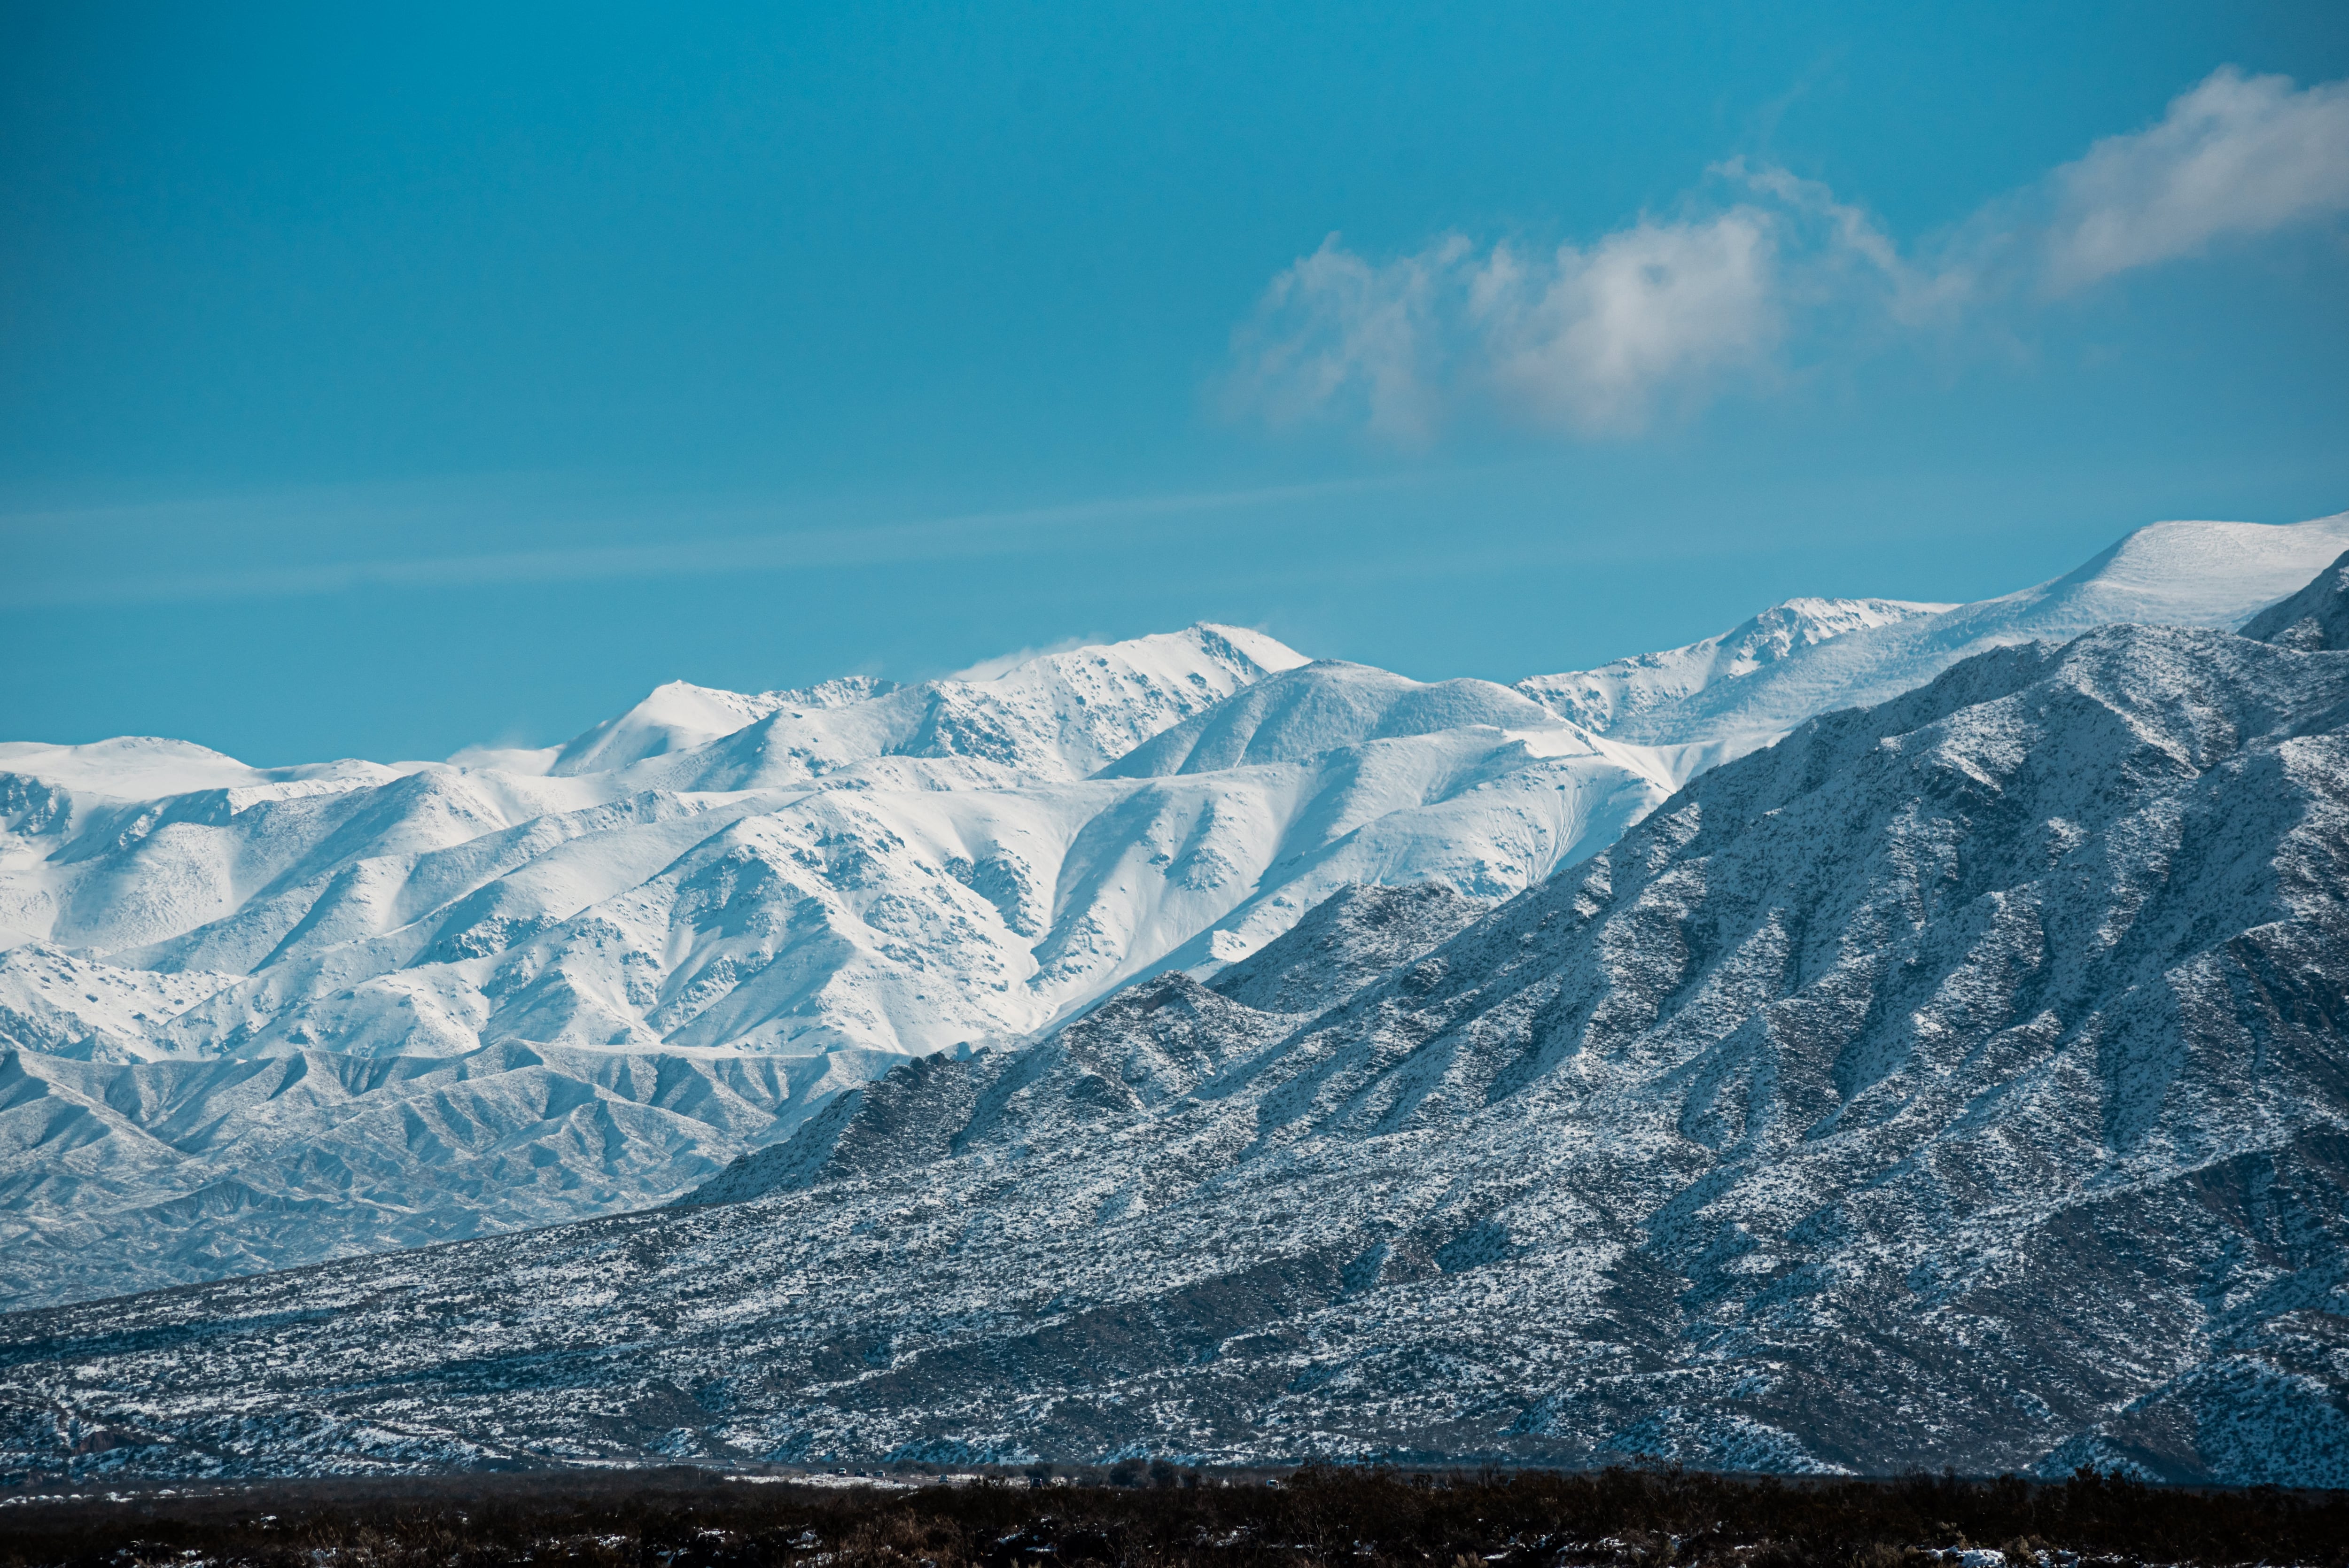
(259, 1017)
(1961, 1081)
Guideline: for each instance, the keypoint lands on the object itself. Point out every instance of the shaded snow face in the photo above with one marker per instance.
(1961, 1081)
(828, 880)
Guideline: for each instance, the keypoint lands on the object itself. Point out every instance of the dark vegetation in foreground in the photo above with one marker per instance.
(1159, 1516)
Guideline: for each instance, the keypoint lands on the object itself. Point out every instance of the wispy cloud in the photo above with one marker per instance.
(1334, 328)
(1673, 310)
(2236, 156)
(1591, 340)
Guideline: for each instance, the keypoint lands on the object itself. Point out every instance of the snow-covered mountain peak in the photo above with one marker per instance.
(2200, 573)
(145, 766)
(838, 692)
(1058, 715)
(1169, 656)
(1802, 622)
(1062, 714)
(1108, 698)
(679, 716)
(1093, 704)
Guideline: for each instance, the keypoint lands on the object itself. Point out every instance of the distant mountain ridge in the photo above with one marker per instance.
(1055, 718)
(830, 880)
(1961, 1082)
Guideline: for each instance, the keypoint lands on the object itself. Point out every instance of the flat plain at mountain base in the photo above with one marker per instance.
(1161, 1514)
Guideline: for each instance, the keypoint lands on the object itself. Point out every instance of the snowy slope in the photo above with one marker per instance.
(832, 878)
(142, 768)
(1962, 1081)
(833, 932)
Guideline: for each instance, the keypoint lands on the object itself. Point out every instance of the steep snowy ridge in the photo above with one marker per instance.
(2167, 573)
(923, 1111)
(1630, 690)
(1352, 938)
(680, 716)
(1962, 1081)
(835, 878)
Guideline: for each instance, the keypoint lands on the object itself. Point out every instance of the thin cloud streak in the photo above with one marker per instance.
(966, 536)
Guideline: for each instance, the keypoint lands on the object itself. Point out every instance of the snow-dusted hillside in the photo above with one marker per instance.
(1962, 1081)
(831, 885)
(553, 962)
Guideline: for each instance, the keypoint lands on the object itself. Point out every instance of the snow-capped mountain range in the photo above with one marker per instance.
(1962, 1080)
(256, 1017)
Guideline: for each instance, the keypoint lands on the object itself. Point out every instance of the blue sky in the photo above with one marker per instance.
(383, 382)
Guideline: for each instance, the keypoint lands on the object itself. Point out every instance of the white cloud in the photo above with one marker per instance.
(1590, 340)
(1335, 330)
(1669, 312)
(1594, 340)
(2236, 156)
